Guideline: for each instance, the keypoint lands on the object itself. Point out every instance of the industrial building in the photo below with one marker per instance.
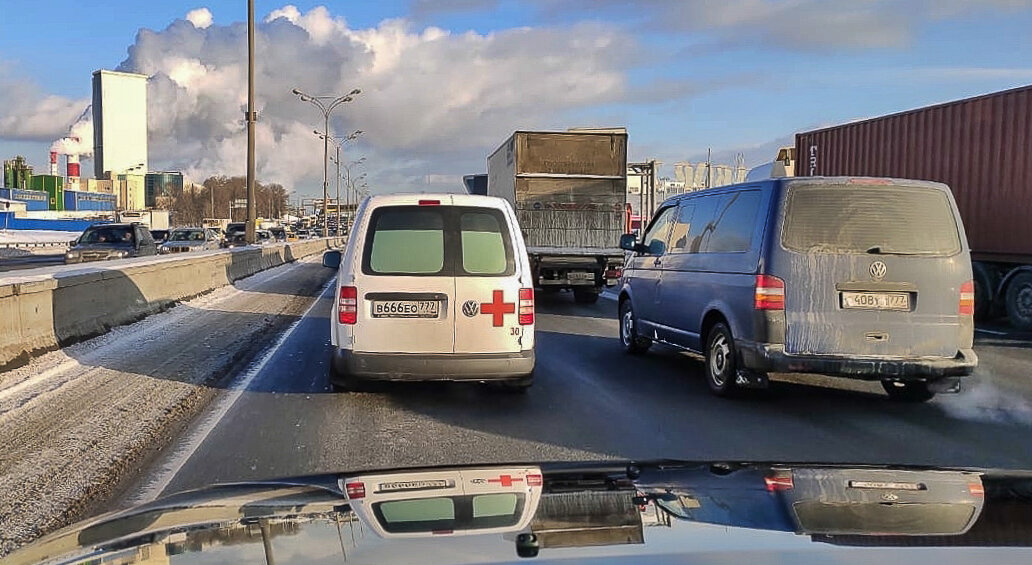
(159, 184)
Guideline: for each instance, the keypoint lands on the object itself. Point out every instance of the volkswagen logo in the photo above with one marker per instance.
(470, 308)
(878, 270)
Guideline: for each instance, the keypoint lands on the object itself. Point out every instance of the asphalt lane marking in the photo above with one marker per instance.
(200, 433)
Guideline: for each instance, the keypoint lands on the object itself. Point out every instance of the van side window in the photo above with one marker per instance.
(734, 223)
(702, 223)
(682, 225)
(656, 236)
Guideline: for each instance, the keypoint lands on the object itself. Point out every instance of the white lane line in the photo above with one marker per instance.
(992, 332)
(200, 433)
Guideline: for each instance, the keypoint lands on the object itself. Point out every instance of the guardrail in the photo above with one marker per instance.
(45, 312)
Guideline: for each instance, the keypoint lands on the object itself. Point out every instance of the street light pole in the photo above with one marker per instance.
(326, 105)
(251, 215)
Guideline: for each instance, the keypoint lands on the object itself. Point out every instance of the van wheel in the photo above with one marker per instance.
(908, 391)
(721, 361)
(341, 382)
(1019, 301)
(518, 385)
(629, 338)
(585, 296)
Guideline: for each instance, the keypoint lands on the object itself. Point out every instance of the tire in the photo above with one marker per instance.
(909, 391)
(518, 385)
(342, 382)
(1019, 301)
(629, 338)
(585, 296)
(985, 287)
(721, 361)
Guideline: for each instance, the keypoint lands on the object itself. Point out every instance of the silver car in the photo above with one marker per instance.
(183, 240)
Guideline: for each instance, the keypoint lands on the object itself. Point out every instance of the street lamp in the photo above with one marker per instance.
(351, 185)
(338, 143)
(326, 105)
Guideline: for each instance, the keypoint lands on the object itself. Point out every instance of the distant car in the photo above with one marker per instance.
(278, 234)
(160, 236)
(102, 242)
(262, 237)
(433, 287)
(863, 278)
(236, 239)
(303, 234)
(189, 239)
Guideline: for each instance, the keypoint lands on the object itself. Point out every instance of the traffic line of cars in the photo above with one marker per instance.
(862, 278)
(102, 242)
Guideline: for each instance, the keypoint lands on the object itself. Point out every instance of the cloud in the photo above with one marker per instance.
(423, 8)
(431, 101)
(201, 18)
(28, 114)
(805, 25)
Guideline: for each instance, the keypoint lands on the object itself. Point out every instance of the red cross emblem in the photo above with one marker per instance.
(505, 480)
(497, 308)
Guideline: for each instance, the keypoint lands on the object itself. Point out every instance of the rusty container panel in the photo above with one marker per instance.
(981, 147)
(562, 153)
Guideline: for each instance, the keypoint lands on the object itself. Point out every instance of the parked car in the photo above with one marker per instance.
(102, 242)
(433, 287)
(160, 236)
(852, 277)
(190, 239)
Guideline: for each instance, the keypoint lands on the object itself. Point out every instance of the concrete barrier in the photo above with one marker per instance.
(39, 313)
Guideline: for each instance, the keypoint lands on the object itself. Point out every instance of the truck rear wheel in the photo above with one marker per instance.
(586, 295)
(1019, 301)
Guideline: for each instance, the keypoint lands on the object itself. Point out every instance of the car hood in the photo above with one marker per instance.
(600, 512)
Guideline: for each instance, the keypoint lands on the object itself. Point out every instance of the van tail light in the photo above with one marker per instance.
(526, 306)
(355, 490)
(967, 298)
(347, 306)
(770, 293)
(780, 481)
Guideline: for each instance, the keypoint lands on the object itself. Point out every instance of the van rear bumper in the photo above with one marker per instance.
(434, 367)
(771, 358)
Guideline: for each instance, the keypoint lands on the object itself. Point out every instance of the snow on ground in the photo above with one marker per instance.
(36, 236)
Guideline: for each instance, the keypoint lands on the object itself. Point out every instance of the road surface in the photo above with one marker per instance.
(232, 386)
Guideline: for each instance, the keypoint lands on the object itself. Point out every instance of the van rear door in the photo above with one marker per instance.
(873, 268)
(488, 273)
(405, 248)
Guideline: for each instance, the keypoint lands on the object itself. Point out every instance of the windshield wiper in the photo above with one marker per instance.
(877, 250)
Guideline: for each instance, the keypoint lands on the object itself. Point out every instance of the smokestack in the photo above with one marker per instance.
(73, 172)
(53, 163)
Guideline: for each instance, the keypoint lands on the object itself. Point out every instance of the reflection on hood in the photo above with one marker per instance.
(714, 513)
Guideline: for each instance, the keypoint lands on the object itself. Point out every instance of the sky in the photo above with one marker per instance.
(445, 82)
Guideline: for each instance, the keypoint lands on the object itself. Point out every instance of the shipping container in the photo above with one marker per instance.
(569, 193)
(35, 200)
(978, 146)
(80, 201)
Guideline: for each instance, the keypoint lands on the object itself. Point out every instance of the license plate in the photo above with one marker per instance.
(406, 308)
(876, 300)
(576, 276)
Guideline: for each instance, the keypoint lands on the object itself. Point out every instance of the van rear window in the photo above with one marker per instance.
(870, 219)
(438, 241)
(407, 241)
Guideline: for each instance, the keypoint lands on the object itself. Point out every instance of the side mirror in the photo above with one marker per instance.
(628, 241)
(331, 259)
